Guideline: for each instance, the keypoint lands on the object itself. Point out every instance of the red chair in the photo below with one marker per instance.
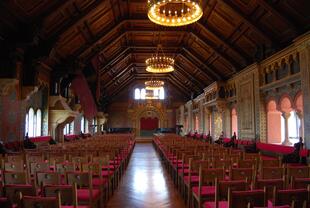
(243, 199)
(12, 190)
(272, 173)
(5, 203)
(221, 195)
(85, 193)
(206, 188)
(38, 201)
(297, 183)
(269, 184)
(242, 174)
(295, 197)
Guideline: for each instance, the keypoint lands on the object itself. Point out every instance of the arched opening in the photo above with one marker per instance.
(275, 123)
(234, 121)
(148, 125)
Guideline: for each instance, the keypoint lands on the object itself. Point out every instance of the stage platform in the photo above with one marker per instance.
(140, 139)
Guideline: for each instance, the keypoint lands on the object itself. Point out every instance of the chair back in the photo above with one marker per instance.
(242, 174)
(207, 176)
(41, 202)
(15, 178)
(272, 173)
(39, 167)
(17, 166)
(298, 172)
(222, 187)
(65, 167)
(82, 179)
(250, 198)
(67, 192)
(298, 197)
(298, 183)
(12, 191)
(269, 184)
(45, 178)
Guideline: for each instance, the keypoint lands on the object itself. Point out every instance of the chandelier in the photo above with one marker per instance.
(174, 12)
(154, 84)
(159, 63)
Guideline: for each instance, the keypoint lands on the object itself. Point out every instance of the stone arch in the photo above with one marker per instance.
(285, 103)
(140, 112)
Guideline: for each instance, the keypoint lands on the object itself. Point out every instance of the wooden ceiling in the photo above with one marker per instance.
(112, 38)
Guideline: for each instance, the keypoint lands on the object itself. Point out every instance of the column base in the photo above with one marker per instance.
(287, 143)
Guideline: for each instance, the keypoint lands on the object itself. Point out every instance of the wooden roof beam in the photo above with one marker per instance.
(204, 67)
(250, 23)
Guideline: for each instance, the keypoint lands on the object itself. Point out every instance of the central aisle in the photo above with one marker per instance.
(145, 183)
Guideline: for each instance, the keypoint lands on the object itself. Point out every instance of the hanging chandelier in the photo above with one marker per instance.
(159, 63)
(174, 12)
(154, 84)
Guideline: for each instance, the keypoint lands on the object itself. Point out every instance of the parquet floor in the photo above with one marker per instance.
(145, 183)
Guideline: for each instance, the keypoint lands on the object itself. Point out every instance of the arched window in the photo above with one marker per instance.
(31, 122)
(27, 123)
(83, 124)
(294, 124)
(38, 122)
(86, 126)
(143, 94)
(234, 121)
(162, 93)
(137, 94)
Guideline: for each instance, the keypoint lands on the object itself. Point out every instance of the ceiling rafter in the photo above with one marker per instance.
(217, 52)
(275, 12)
(74, 19)
(125, 54)
(249, 22)
(186, 73)
(202, 65)
(122, 86)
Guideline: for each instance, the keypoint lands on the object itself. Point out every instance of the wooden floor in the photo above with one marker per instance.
(145, 183)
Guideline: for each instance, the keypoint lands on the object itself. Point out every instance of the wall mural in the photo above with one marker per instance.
(218, 125)
(11, 116)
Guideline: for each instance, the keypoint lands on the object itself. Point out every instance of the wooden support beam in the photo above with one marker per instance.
(250, 23)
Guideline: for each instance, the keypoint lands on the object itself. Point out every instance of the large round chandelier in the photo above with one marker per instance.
(174, 12)
(154, 84)
(159, 63)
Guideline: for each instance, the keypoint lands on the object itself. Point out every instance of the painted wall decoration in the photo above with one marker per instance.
(10, 112)
(218, 124)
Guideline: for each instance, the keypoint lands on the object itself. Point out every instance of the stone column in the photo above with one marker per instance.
(303, 44)
(201, 118)
(286, 116)
(182, 116)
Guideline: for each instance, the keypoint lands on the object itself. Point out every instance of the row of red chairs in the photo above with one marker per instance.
(200, 186)
(65, 175)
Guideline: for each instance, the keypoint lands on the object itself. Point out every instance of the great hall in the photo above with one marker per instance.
(155, 103)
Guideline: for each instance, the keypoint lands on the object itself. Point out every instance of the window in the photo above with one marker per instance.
(38, 122)
(162, 93)
(142, 94)
(68, 129)
(137, 94)
(84, 125)
(33, 123)
(30, 127)
(94, 123)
